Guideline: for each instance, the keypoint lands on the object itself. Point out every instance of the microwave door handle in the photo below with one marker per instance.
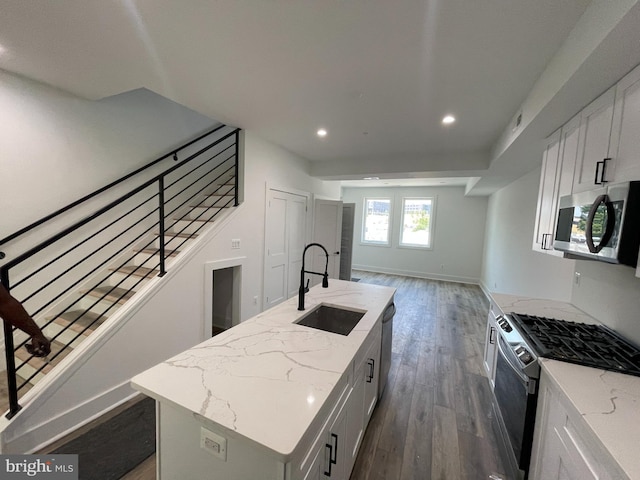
(611, 223)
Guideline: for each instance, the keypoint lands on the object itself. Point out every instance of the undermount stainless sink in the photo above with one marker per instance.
(331, 319)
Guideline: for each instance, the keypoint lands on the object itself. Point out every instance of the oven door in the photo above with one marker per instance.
(516, 395)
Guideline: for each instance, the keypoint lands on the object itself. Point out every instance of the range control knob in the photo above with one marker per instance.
(524, 355)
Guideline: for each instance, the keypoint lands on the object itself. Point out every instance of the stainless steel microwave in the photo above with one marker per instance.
(602, 224)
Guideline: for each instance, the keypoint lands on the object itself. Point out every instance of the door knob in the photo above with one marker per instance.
(336, 253)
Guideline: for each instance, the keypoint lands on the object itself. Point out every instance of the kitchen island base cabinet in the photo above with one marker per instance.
(328, 452)
(272, 398)
(181, 457)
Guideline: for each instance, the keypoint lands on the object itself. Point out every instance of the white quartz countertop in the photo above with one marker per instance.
(267, 378)
(609, 402)
(541, 308)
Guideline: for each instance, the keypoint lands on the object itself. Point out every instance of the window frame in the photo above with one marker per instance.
(387, 242)
(431, 230)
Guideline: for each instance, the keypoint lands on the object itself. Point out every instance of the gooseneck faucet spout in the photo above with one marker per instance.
(325, 276)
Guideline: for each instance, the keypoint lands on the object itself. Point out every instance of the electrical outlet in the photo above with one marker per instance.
(235, 243)
(576, 278)
(213, 443)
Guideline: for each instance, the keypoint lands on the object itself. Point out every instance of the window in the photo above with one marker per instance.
(417, 222)
(376, 225)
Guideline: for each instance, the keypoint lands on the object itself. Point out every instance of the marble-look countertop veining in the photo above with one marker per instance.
(541, 307)
(609, 402)
(267, 378)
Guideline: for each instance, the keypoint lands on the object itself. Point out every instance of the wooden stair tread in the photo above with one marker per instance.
(37, 363)
(156, 251)
(171, 235)
(81, 319)
(138, 271)
(194, 220)
(112, 294)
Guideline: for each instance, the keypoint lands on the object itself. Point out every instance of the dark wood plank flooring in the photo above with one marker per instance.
(434, 420)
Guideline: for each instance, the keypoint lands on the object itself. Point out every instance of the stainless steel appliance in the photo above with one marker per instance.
(516, 390)
(385, 350)
(601, 224)
(524, 338)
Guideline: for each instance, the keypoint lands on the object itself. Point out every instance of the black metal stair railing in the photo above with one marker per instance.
(74, 279)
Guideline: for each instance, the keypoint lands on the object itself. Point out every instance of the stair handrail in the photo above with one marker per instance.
(159, 179)
(20, 258)
(66, 208)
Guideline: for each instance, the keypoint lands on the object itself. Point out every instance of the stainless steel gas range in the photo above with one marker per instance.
(524, 338)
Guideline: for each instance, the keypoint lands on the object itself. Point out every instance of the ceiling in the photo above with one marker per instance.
(379, 75)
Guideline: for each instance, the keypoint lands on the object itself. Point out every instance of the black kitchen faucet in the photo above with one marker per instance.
(325, 276)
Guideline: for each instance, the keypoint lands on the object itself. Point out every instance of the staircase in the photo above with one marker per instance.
(95, 266)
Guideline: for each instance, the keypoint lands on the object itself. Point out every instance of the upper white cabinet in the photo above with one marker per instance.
(592, 168)
(547, 195)
(625, 133)
(599, 146)
(556, 180)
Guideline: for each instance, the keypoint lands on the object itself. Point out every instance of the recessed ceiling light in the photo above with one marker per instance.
(322, 132)
(371, 178)
(449, 119)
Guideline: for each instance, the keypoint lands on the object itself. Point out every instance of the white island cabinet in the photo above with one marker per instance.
(271, 399)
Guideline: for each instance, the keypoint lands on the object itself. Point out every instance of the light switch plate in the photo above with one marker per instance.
(213, 443)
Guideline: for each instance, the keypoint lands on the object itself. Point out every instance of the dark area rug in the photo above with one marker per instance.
(115, 447)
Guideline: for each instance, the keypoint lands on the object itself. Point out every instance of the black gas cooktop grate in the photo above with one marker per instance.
(584, 344)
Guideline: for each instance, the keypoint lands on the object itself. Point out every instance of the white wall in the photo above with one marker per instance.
(458, 236)
(610, 293)
(509, 263)
(56, 147)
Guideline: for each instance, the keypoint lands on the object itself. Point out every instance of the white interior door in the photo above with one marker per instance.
(327, 231)
(285, 227)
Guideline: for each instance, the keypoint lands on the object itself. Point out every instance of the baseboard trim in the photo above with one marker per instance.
(427, 275)
(89, 410)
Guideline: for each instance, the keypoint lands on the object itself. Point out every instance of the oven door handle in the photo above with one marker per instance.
(518, 371)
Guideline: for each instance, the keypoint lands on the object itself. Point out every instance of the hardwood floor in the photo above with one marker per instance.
(434, 420)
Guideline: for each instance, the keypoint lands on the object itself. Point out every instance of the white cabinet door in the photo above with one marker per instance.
(569, 139)
(595, 131)
(315, 470)
(371, 379)
(491, 345)
(547, 195)
(625, 137)
(335, 462)
(355, 420)
(557, 454)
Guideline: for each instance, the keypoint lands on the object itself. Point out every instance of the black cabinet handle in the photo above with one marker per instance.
(334, 460)
(371, 362)
(602, 163)
(330, 447)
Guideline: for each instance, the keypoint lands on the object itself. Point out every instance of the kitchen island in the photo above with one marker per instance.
(265, 398)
